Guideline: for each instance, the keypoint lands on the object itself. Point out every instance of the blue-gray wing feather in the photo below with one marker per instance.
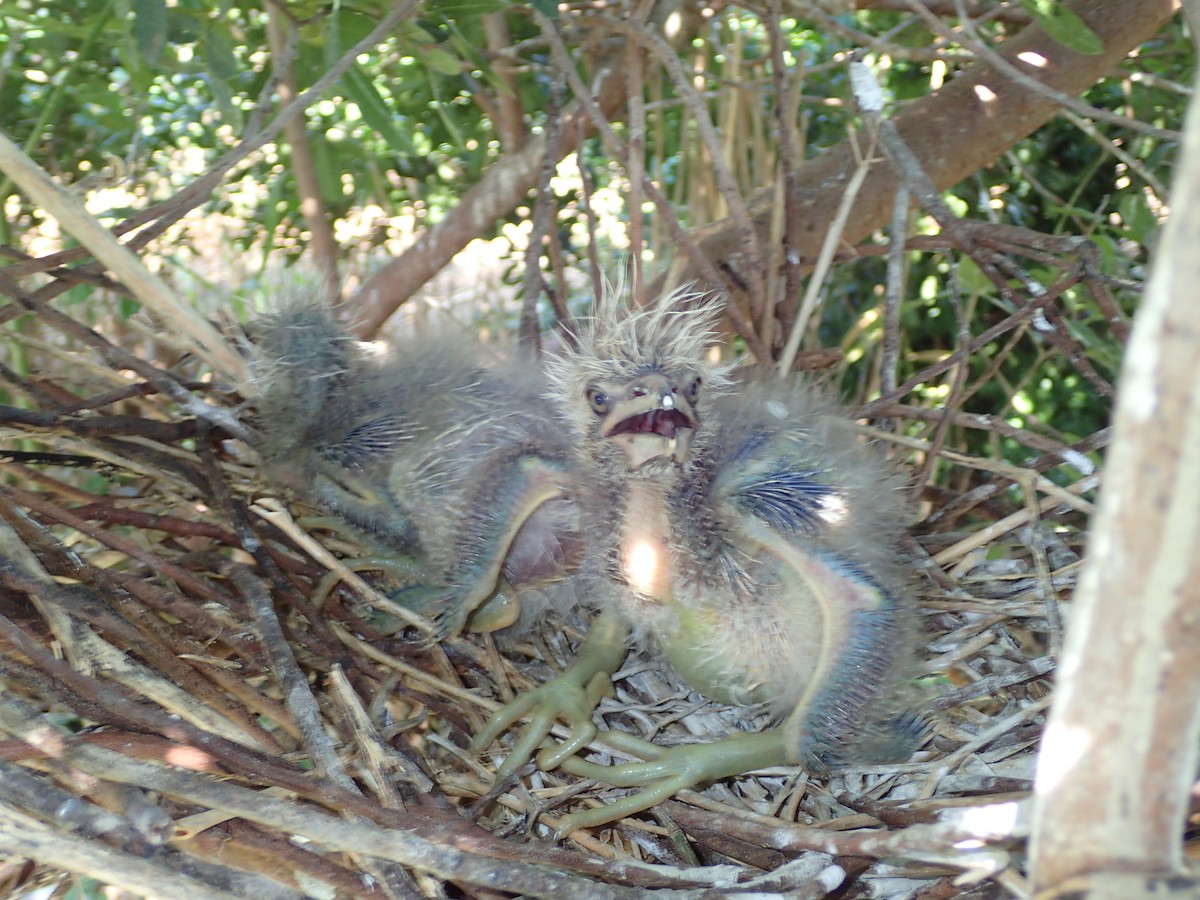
(787, 500)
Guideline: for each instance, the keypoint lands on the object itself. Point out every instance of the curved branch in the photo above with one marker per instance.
(501, 188)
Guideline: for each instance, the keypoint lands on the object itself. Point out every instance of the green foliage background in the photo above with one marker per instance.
(156, 91)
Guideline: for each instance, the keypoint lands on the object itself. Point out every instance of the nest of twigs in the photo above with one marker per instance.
(194, 706)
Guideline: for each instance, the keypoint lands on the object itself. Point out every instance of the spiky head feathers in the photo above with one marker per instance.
(638, 385)
(619, 344)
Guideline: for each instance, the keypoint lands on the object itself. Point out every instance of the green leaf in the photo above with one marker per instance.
(442, 62)
(375, 110)
(329, 171)
(351, 27)
(224, 96)
(1064, 26)
(971, 279)
(450, 125)
(452, 9)
(218, 56)
(127, 307)
(548, 8)
(150, 29)
(471, 54)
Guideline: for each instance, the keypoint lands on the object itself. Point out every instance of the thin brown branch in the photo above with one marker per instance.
(119, 358)
(585, 197)
(159, 217)
(752, 270)
(283, 37)
(445, 846)
(54, 513)
(292, 682)
(635, 163)
(958, 356)
(196, 332)
(786, 170)
(541, 226)
(955, 131)
(26, 836)
(617, 148)
(502, 187)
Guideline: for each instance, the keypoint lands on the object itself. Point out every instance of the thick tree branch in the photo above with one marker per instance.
(954, 131)
(501, 188)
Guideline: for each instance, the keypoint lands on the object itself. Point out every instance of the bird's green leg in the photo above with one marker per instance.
(403, 568)
(572, 696)
(669, 770)
(533, 482)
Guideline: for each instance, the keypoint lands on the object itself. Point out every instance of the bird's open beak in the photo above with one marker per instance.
(651, 420)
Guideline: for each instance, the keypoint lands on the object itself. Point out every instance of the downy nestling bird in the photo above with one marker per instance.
(439, 453)
(738, 532)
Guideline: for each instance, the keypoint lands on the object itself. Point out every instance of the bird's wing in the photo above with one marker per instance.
(787, 500)
(369, 441)
(788, 513)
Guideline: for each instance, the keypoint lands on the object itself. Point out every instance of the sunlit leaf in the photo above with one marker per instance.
(150, 29)
(464, 8)
(375, 109)
(441, 61)
(971, 279)
(1064, 26)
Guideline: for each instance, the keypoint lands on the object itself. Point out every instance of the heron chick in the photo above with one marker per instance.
(445, 457)
(737, 531)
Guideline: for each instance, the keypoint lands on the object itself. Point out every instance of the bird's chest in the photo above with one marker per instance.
(738, 623)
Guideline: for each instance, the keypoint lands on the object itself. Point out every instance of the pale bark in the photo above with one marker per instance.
(1120, 749)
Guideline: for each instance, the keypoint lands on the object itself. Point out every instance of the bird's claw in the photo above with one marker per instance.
(571, 696)
(567, 697)
(435, 603)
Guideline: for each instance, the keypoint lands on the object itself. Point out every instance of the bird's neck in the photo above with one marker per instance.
(645, 557)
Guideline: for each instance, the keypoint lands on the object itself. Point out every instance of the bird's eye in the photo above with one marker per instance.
(693, 391)
(598, 400)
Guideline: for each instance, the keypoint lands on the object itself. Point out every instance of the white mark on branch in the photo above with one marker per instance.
(867, 92)
(1040, 322)
(1079, 460)
(985, 93)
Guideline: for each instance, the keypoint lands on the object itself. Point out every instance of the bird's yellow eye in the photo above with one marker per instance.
(598, 400)
(693, 391)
